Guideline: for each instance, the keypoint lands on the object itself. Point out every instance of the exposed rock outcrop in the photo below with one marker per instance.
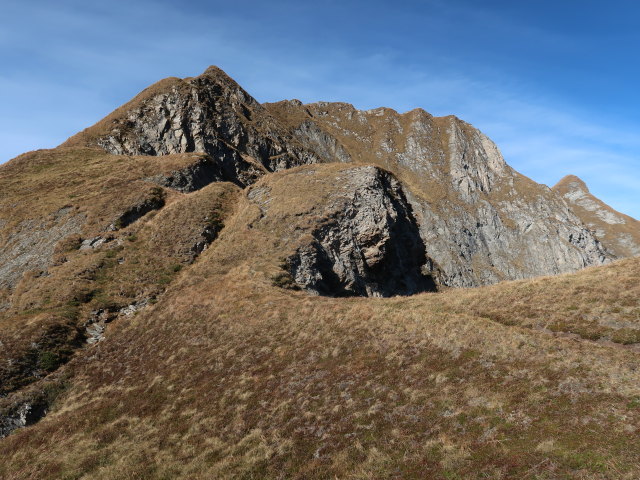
(619, 233)
(482, 222)
(209, 114)
(22, 415)
(367, 242)
(31, 245)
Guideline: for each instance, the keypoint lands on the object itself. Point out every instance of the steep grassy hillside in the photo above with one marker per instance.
(228, 375)
(87, 237)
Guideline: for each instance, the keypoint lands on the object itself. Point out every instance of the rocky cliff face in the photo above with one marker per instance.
(619, 233)
(364, 240)
(207, 114)
(481, 221)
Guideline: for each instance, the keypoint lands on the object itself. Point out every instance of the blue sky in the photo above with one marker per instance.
(554, 84)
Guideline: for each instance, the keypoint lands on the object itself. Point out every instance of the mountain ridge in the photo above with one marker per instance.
(247, 140)
(474, 180)
(200, 286)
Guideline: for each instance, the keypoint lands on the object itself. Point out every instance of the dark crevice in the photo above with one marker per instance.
(194, 177)
(24, 409)
(22, 415)
(136, 212)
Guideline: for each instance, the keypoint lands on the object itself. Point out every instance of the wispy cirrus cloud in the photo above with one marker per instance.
(67, 67)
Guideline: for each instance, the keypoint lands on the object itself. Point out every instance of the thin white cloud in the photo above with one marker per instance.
(111, 53)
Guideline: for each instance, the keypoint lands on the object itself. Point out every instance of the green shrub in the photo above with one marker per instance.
(49, 361)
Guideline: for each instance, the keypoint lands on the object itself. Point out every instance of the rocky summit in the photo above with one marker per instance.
(203, 286)
(619, 233)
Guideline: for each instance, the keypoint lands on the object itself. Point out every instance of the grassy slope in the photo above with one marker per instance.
(228, 376)
(45, 322)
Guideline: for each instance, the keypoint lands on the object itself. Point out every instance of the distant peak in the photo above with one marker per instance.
(418, 111)
(217, 74)
(378, 111)
(338, 105)
(214, 70)
(571, 182)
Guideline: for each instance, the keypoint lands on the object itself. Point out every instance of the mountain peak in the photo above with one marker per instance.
(217, 73)
(618, 232)
(214, 69)
(209, 114)
(571, 182)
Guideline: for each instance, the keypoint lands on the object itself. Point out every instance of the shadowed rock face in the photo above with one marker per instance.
(368, 244)
(193, 177)
(23, 415)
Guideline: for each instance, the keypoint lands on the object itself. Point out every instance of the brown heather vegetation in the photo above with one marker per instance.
(226, 375)
(49, 308)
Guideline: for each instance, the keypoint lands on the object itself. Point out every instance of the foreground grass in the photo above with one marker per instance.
(228, 376)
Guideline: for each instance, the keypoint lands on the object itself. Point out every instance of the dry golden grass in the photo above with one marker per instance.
(600, 304)
(44, 323)
(228, 376)
(91, 182)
